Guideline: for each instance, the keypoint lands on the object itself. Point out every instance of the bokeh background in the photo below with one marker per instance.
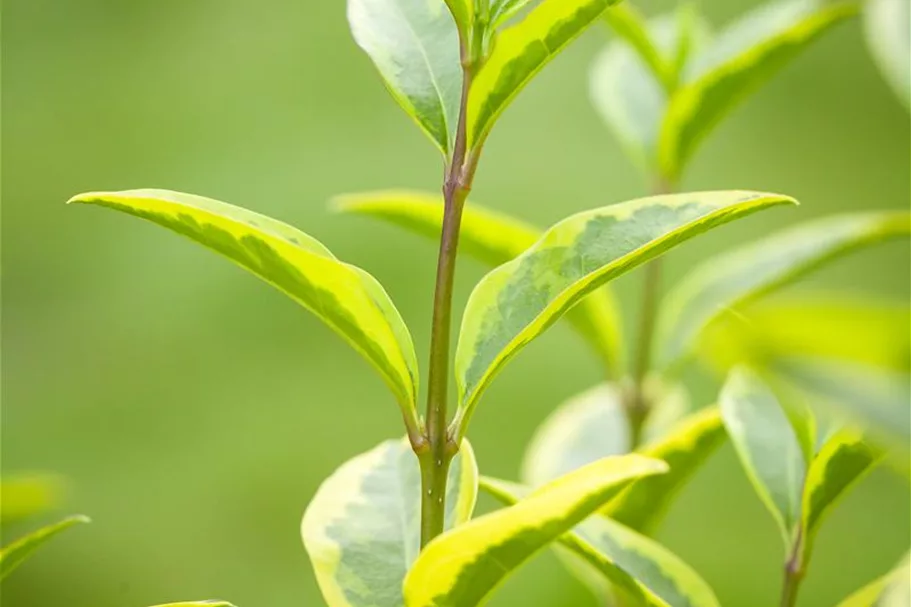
(194, 410)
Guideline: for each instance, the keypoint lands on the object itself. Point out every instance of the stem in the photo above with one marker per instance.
(793, 573)
(440, 450)
(636, 401)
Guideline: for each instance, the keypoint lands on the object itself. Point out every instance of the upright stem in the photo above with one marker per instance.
(637, 407)
(793, 573)
(437, 455)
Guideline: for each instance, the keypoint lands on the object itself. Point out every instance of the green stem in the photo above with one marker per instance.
(793, 573)
(436, 456)
(636, 401)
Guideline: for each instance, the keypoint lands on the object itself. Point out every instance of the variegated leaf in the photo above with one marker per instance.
(520, 52)
(767, 447)
(494, 238)
(843, 460)
(415, 46)
(343, 296)
(685, 448)
(626, 562)
(760, 267)
(461, 567)
(362, 529)
(519, 300)
(14, 554)
(743, 55)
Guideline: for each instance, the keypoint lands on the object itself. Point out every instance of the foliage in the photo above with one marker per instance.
(395, 526)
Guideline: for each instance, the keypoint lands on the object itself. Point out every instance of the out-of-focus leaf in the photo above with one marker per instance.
(494, 238)
(363, 528)
(415, 46)
(461, 567)
(519, 300)
(502, 11)
(640, 568)
(843, 460)
(832, 325)
(12, 555)
(520, 52)
(207, 603)
(891, 590)
(685, 449)
(875, 399)
(760, 267)
(23, 495)
(886, 29)
(767, 446)
(343, 296)
(742, 57)
(634, 31)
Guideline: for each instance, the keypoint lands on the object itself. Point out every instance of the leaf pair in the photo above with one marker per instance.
(677, 85)
(415, 45)
(520, 299)
(798, 484)
(362, 529)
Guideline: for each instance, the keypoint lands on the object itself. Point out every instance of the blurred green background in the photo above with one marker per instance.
(194, 410)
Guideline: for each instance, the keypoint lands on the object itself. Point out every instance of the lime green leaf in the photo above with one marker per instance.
(363, 528)
(632, 28)
(415, 46)
(891, 590)
(463, 13)
(461, 567)
(343, 296)
(208, 603)
(767, 446)
(760, 267)
(742, 57)
(593, 425)
(843, 460)
(519, 300)
(14, 554)
(633, 564)
(874, 398)
(520, 52)
(493, 238)
(886, 28)
(835, 325)
(685, 449)
(23, 496)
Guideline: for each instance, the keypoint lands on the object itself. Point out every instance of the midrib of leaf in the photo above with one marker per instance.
(429, 65)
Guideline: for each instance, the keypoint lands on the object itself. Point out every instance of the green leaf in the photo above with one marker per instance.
(493, 238)
(891, 590)
(638, 35)
(629, 96)
(889, 41)
(742, 57)
(685, 449)
(593, 425)
(208, 603)
(874, 398)
(520, 52)
(835, 325)
(519, 300)
(502, 11)
(767, 447)
(843, 460)
(754, 270)
(343, 296)
(14, 554)
(362, 529)
(639, 567)
(463, 14)
(461, 567)
(23, 496)
(415, 46)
